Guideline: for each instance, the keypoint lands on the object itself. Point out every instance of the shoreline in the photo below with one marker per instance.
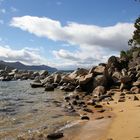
(95, 128)
(87, 130)
(123, 125)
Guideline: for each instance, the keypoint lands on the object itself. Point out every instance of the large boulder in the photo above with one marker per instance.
(99, 69)
(78, 72)
(7, 78)
(49, 79)
(92, 70)
(49, 87)
(113, 62)
(100, 80)
(85, 79)
(43, 73)
(135, 54)
(36, 73)
(57, 78)
(67, 79)
(116, 76)
(69, 87)
(99, 90)
(86, 83)
(125, 79)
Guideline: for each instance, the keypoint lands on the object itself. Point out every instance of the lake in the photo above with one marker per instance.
(24, 110)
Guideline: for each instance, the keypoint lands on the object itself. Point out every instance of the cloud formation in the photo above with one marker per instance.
(95, 43)
(25, 55)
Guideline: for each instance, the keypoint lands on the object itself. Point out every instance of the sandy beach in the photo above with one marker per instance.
(126, 123)
(123, 125)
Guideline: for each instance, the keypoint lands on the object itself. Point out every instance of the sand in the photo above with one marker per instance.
(126, 123)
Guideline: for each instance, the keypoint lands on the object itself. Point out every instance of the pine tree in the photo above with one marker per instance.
(135, 41)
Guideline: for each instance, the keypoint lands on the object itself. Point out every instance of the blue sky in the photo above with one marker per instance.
(65, 33)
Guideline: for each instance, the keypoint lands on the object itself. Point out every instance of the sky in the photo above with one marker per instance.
(65, 34)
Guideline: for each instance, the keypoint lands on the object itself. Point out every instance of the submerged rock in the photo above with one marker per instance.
(54, 136)
(85, 118)
(49, 87)
(36, 85)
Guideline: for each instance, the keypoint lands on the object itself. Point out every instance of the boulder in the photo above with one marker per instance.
(136, 98)
(137, 83)
(43, 73)
(98, 106)
(99, 69)
(55, 85)
(85, 79)
(11, 73)
(132, 64)
(125, 79)
(137, 67)
(78, 89)
(100, 80)
(67, 79)
(88, 110)
(135, 54)
(99, 90)
(54, 136)
(36, 85)
(113, 62)
(15, 70)
(92, 70)
(121, 100)
(49, 79)
(124, 86)
(105, 97)
(78, 72)
(7, 78)
(86, 83)
(124, 72)
(69, 87)
(37, 80)
(91, 102)
(116, 76)
(57, 78)
(85, 118)
(138, 74)
(36, 73)
(135, 90)
(49, 87)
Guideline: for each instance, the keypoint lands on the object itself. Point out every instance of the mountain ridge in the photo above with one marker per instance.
(20, 66)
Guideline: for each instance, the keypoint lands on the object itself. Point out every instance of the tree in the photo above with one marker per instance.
(135, 41)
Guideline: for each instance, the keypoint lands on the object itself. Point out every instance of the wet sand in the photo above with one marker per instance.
(88, 130)
(93, 129)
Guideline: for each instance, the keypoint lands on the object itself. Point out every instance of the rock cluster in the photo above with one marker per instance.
(8, 75)
(118, 72)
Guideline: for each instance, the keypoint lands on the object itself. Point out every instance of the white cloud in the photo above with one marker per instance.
(25, 55)
(95, 43)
